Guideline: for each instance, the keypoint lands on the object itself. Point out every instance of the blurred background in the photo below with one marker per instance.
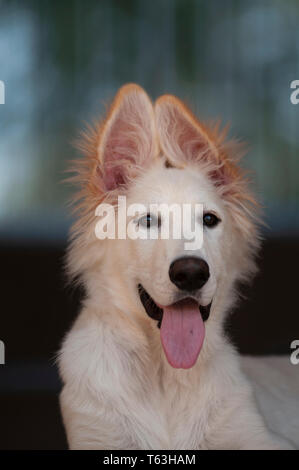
(61, 62)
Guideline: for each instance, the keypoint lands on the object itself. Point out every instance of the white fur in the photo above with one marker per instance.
(119, 390)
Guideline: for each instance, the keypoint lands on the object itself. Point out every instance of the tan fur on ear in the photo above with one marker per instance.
(88, 173)
(127, 140)
(182, 137)
(186, 141)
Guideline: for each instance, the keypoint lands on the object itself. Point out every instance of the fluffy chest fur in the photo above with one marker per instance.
(116, 379)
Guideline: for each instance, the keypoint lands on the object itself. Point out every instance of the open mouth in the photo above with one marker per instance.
(156, 313)
(181, 326)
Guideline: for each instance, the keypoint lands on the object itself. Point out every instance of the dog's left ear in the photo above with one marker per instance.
(183, 139)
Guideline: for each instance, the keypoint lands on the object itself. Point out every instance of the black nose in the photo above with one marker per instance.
(189, 273)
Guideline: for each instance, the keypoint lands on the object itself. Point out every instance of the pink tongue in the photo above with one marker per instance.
(182, 333)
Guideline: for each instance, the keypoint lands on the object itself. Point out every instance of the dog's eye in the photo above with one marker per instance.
(149, 220)
(210, 220)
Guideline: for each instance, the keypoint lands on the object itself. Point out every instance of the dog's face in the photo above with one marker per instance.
(162, 155)
(176, 284)
(167, 269)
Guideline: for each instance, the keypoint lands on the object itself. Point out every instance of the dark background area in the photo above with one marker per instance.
(37, 317)
(61, 62)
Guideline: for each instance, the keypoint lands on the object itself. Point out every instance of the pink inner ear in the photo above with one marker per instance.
(186, 141)
(191, 142)
(196, 147)
(113, 178)
(119, 152)
(128, 143)
(181, 139)
(220, 176)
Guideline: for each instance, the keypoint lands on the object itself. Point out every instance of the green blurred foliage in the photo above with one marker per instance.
(62, 61)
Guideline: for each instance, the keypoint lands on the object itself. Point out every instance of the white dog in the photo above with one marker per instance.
(146, 364)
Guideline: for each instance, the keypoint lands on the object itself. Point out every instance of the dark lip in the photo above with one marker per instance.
(156, 313)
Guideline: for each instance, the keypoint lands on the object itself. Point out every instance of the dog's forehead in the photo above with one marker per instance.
(169, 185)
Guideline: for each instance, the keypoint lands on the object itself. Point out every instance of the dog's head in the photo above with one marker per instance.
(161, 155)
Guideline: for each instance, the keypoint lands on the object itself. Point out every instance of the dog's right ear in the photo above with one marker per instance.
(127, 139)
